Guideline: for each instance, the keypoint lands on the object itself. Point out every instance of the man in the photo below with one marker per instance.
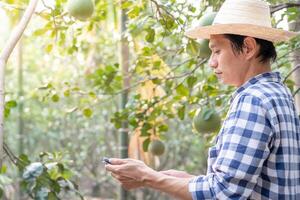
(257, 151)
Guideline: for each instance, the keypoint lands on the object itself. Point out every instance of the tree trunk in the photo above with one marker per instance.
(295, 26)
(8, 48)
(20, 104)
(124, 65)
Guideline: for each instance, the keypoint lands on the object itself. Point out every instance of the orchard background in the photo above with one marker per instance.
(107, 81)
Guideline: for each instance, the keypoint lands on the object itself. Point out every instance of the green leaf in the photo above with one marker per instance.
(181, 112)
(5, 180)
(208, 88)
(53, 173)
(182, 90)
(32, 171)
(191, 80)
(52, 196)
(193, 47)
(146, 144)
(150, 35)
(163, 128)
(167, 22)
(40, 32)
(67, 174)
(117, 123)
(87, 112)
(43, 154)
(156, 81)
(134, 12)
(47, 86)
(90, 26)
(133, 122)
(11, 104)
(219, 101)
(22, 161)
(55, 98)
(68, 185)
(55, 186)
(157, 64)
(3, 169)
(6, 112)
(290, 84)
(191, 8)
(126, 4)
(92, 95)
(42, 194)
(145, 128)
(76, 89)
(49, 48)
(67, 93)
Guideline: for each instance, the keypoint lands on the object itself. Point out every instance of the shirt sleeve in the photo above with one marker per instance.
(244, 146)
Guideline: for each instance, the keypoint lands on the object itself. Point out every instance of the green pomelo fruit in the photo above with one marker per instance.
(207, 19)
(157, 147)
(201, 48)
(81, 9)
(207, 121)
(204, 50)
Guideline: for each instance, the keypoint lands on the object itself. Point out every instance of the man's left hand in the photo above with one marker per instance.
(129, 172)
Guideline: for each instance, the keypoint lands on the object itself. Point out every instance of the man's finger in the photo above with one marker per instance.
(122, 178)
(117, 161)
(112, 168)
(119, 177)
(166, 173)
(115, 176)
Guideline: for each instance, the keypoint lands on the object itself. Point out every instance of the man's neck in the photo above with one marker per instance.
(257, 68)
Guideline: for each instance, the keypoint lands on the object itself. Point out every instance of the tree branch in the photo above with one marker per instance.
(278, 7)
(294, 94)
(5, 53)
(18, 31)
(292, 71)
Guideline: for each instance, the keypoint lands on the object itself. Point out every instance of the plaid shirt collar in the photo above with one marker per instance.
(265, 77)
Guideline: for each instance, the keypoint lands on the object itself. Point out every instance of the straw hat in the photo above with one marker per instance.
(243, 17)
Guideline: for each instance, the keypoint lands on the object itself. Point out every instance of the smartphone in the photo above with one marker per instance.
(105, 160)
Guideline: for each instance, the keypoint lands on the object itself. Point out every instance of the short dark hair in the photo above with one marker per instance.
(267, 51)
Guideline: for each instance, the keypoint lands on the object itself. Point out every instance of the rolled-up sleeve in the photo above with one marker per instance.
(244, 145)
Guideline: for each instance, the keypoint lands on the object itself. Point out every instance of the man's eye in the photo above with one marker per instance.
(216, 52)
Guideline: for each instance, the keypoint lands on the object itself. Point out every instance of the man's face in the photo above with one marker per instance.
(230, 68)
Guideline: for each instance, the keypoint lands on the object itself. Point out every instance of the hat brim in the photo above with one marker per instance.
(270, 34)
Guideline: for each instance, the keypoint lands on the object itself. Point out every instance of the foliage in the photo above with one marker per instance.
(4, 180)
(73, 81)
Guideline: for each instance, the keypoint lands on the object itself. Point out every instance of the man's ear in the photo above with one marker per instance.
(250, 47)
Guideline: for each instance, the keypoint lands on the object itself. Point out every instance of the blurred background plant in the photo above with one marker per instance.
(65, 106)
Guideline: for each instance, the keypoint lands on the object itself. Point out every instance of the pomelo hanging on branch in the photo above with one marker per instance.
(206, 20)
(204, 48)
(81, 9)
(207, 121)
(156, 147)
(201, 47)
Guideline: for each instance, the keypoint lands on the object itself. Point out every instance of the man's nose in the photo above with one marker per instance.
(212, 62)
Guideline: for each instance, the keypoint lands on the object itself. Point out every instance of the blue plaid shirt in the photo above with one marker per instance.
(257, 152)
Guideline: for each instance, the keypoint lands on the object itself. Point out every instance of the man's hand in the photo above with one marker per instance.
(135, 173)
(127, 183)
(129, 172)
(176, 173)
